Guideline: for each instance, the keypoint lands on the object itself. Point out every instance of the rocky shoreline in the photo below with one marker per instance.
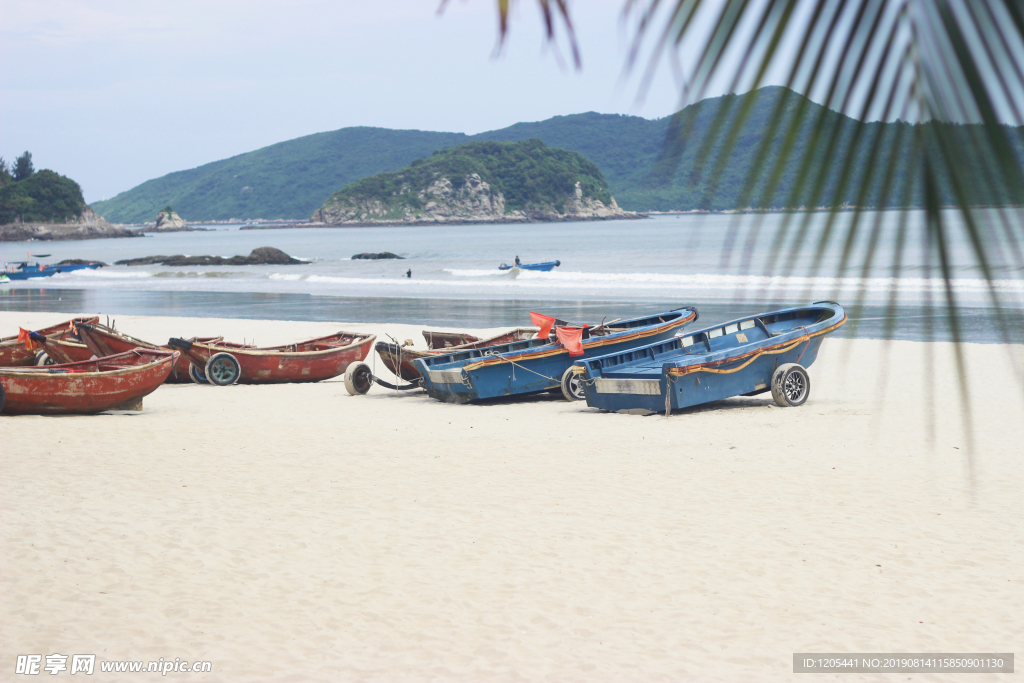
(88, 227)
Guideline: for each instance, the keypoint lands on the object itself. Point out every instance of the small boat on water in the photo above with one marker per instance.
(536, 365)
(116, 382)
(307, 361)
(543, 267)
(743, 357)
(15, 352)
(399, 358)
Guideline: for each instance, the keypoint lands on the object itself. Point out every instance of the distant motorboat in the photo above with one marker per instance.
(544, 267)
(24, 270)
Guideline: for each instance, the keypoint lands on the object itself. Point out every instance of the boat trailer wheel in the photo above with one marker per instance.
(3, 397)
(197, 375)
(572, 386)
(358, 379)
(222, 369)
(790, 385)
(43, 358)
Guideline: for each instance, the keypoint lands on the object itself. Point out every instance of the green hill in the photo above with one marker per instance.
(291, 179)
(476, 181)
(44, 196)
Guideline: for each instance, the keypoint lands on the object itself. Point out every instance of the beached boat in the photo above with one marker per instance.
(116, 382)
(14, 353)
(543, 267)
(308, 361)
(101, 341)
(399, 358)
(535, 365)
(743, 357)
(445, 340)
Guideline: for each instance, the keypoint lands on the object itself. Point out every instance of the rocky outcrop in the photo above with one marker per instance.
(473, 202)
(169, 221)
(88, 226)
(376, 257)
(264, 256)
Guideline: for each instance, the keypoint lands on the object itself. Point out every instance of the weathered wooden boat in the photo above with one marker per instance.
(101, 341)
(543, 267)
(15, 353)
(309, 361)
(399, 358)
(116, 382)
(535, 365)
(443, 340)
(743, 357)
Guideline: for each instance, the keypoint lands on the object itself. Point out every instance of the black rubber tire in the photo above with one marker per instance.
(3, 397)
(222, 369)
(43, 358)
(197, 375)
(358, 379)
(791, 385)
(572, 386)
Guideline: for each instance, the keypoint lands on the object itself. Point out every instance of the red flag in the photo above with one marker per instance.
(571, 338)
(544, 322)
(23, 338)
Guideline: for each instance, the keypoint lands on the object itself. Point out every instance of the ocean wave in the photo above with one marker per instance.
(286, 277)
(192, 273)
(103, 274)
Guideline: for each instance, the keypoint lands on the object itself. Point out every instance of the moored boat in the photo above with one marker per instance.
(399, 359)
(542, 267)
(744, 357)
(116, 382)
(535, 365)
(14, 353)
(308, 361)
(101, 340)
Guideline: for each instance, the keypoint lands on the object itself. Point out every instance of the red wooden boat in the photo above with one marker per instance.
(14, 353)
(395, 356)
(308, 361)
(113, 383)
(101, 341)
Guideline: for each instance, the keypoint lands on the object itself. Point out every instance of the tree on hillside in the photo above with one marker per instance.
(5, 174)
(23, 166)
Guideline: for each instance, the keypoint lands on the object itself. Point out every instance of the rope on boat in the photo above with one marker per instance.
(522, 367)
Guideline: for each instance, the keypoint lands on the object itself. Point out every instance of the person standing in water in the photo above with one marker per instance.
(408, 273)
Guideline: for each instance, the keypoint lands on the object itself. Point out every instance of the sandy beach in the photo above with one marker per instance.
(296, 533)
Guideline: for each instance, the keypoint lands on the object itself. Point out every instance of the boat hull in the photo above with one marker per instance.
(394, 356)
(14, 354)
(533, 366)
(732, 359)
(103, 341)
(114, 382)
(327, 357)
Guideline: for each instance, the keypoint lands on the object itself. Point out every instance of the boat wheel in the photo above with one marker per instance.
(197, 375)
(572, 386)
(43, 358)
(790, 385)
(358, 379)
(222, 369)
(3, 397)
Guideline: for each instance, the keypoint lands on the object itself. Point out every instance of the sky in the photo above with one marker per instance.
(112, 93)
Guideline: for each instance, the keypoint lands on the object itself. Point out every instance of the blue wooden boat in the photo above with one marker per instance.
(744, 357)
(534, 365)
(544, 267)
(25, 270)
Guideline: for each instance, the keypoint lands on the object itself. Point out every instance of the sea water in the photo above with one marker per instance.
(727, 265)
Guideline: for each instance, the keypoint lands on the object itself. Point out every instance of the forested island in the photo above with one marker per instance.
(647, 164)
(479, 182)
(44, 205)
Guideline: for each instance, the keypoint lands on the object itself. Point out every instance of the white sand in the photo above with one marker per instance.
(296, 533)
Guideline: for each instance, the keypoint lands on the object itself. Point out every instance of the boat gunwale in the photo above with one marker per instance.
(699, 362)
(46, 371)
(359, 340)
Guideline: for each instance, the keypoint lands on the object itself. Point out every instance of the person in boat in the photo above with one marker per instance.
(408, 273)
(517, 260)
